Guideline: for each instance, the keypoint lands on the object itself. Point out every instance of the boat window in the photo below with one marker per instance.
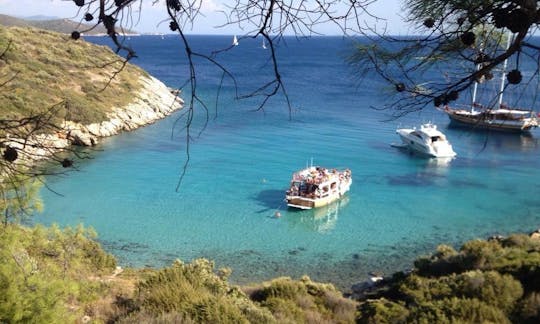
(435, 138)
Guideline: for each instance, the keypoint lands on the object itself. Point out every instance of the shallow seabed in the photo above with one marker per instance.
(400, 205)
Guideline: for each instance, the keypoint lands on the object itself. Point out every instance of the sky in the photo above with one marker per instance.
(153, 17)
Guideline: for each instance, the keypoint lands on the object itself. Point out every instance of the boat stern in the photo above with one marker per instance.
(300, 202)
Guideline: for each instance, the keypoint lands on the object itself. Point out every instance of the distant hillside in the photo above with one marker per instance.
(64, 26)
(40, 17)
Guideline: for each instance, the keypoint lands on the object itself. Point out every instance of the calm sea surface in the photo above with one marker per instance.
(400, 205)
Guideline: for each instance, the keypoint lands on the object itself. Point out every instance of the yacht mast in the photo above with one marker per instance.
(475, 89)
(503, 76)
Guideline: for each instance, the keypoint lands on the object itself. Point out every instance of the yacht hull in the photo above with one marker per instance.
(493, 120)
(482, 123)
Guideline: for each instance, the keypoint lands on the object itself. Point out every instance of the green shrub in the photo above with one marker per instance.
(492, 288)
(43, 270)
(528, 310)
(303, 301)
(195, 292)
(284, 310)
(382, 311)
(284, 288)
(471, 311)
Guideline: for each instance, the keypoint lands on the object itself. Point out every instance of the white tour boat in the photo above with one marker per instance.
(315, 187)
(427, 140)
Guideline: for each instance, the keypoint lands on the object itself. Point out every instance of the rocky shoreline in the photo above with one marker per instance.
(153, 102)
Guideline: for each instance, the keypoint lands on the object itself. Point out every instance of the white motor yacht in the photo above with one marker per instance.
(427, 140)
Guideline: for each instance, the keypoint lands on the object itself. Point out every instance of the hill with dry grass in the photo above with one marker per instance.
(56, 91)
(40, 69)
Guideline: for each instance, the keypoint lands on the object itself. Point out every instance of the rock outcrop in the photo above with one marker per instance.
(153, 102)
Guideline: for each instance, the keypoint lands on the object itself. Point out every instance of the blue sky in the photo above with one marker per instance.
(153, 17)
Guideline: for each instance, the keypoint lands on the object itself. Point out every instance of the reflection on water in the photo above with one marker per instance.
(438, 165)
(502, 140)
(429, 170)
(519, 142)
(322, 219)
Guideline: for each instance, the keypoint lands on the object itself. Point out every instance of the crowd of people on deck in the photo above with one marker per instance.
(306, 183)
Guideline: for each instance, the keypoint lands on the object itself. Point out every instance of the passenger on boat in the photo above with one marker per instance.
(294, 190)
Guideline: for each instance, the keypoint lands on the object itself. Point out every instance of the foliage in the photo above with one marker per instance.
(45, 273)
(518, 255)
(492, 281)
(304, 301)
(465, 41)
(195, 293)
(382, 311)
(53, 275)
(529, 308)
(19, 197)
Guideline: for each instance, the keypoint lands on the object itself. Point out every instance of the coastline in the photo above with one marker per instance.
(153, 102)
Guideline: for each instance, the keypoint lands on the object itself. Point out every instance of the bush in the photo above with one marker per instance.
(196, 293)
(471, 311)
(304, 300)
(382, 311)
(494, 289)
(43, 270)
(529, 309)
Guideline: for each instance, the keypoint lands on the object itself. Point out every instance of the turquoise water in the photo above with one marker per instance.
(400, 205)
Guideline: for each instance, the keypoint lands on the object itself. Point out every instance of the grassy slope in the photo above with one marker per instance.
(41, 69)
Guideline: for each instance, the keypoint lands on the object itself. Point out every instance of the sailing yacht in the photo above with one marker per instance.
(263, 44)
(235, 41)
(500, 118)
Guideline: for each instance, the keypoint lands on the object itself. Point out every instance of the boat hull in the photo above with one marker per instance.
(416, 144)
(309, 203)
(479, 121)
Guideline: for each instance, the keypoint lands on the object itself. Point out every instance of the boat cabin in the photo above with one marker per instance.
(315, 182)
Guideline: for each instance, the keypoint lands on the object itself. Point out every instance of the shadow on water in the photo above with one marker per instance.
(500, 140)
(415, 179)
(431, 170)
(271, 200)
(322, 219)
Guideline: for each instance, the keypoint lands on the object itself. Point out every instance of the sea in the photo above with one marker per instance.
(237, 157)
